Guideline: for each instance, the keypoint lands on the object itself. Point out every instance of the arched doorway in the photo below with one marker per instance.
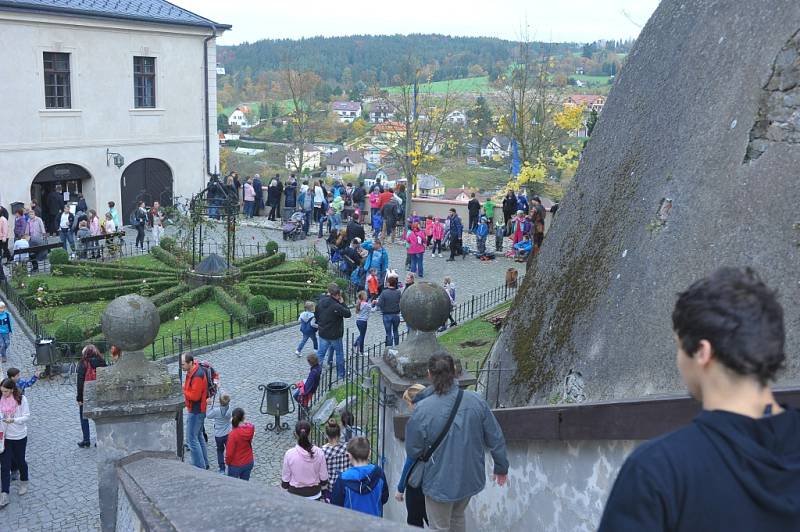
(146, 180)
(56, 185)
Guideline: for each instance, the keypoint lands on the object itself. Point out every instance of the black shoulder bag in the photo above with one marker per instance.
(414, 478)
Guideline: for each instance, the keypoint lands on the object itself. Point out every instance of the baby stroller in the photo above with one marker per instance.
(293, 228)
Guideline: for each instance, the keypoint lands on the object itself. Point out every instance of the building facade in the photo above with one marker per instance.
(116, 101)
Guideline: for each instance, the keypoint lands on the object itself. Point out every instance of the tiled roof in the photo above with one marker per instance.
(142, 10)
(585, 99)
(339, 156)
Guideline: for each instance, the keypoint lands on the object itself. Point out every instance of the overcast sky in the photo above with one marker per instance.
(573, 20)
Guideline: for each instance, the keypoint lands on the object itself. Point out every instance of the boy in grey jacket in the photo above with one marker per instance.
(455, 472)
(220, 415)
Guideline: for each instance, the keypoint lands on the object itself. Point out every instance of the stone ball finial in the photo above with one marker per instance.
(130, 322)
(425, 306)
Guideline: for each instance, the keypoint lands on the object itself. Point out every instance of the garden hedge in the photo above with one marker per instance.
(258, 306)
(282, 291)
(241, 292)
(264, 264)
(272, 247)
(126, 266)
(105, 272)
(89, 294)
(166, 257)
(231, 306)
(58, 256)
(250, 260)
(191, 298)
(169, 294)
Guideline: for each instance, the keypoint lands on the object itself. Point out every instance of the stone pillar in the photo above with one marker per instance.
(134, 402)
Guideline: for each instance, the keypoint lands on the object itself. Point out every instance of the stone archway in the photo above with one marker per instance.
(145, 180)
(54, 181)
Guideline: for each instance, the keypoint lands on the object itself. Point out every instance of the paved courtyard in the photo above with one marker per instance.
(63, 494)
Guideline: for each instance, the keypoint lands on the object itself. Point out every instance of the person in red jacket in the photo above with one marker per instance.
(195, 393)
(239, 450)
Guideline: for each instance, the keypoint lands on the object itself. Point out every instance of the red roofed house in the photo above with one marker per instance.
(590, 102)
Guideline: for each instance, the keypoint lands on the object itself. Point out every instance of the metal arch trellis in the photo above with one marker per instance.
(219, 202)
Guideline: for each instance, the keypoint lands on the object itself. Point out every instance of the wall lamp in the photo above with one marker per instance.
(119, 160)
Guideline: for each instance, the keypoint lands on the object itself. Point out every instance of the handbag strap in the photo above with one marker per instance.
(430, 450)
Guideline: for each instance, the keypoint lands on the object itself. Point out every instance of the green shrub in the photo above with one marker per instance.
(167, 243)
(166, 257)
(99, 293)
(282, 291)
(110, 272)
(169, 294)
(70, 336)
(317, 260)
(298, 277)
(58, 256)
(272, 247)
(123, 266)
(191, 298)
(259, 308)
(33, 285)
(231, 306)
(343, 284)
(265, 264)
(249, 260)
(241, 291)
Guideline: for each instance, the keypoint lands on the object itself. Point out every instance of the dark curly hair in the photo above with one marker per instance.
(735, 311)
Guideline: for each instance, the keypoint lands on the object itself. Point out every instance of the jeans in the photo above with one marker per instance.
(416, 263)
(332, 346)
(362, 333)
(447, 515)
(221, 451)
(67, 236)
(336, 221)
(249, 207)
(391, 322)
(194, 439)
(482, 245)
(242, 472)
(140, 236)
(306, 221)
(14, 453)
(5, 343)
(84, 425)
(312, 336)
(437, 247)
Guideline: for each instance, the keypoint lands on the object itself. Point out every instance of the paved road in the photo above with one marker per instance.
(63, 494)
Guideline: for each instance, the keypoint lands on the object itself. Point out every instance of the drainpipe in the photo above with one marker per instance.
(205, 100)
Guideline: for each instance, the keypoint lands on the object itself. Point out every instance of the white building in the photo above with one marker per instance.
(457, 117)
(238, 118)
(312, 159)
(347, 111)
(115, 100)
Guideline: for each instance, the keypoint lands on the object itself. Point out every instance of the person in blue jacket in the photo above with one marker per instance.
(378, 258)
(415, 499)
(5, 331)
(481, 234)
(737, 465)
(456, 231)
(362, 487)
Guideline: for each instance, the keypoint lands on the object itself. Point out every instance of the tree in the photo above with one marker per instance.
(263, 111)
(479, 120)
(276, 111)
(570, 118)
(359, 126)
(301, 88)
(358, 91)
(222, 122)
(591, 122)
(423, 113)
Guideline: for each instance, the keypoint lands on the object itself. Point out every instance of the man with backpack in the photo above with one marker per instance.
(198, 386)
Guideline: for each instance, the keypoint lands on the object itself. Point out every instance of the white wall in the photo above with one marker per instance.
(103, 115)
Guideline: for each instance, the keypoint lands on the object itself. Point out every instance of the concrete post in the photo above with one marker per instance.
(134, 402)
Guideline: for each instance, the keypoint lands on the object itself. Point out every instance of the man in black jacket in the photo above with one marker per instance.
(54, 203)
(330, 315)
(474, 208)
(737, 466)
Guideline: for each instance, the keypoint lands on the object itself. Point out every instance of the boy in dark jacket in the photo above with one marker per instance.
(737, 466)
(362, 487)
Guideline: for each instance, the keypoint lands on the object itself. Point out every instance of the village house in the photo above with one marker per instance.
(589, 102)
(345, 163)
(312, 159)
(498, 146)
(389, 176)
(380, 111)
(106, 99)
(389, 131)
(347, 111)
(457, 117)
(429, 186)
(239, 117)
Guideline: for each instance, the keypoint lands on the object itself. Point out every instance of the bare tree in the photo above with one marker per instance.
(300, 87)
(423, 115)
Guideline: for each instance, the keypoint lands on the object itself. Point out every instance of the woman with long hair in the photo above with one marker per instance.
(335, 451)
(91, 359)
(15, 415)
(239, 450)
(305, 472)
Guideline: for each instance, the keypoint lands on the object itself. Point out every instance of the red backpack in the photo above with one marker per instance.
(91, 372)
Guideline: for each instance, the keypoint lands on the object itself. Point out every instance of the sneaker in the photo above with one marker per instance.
(84, 444)
(297, 353)
(3, 500)
(23, 487)
(3, 359)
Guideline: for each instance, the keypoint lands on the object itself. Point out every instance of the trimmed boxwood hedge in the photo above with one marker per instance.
(250, 260)
(258, 306)
(272, 247)
(265, 264)
(87, 294)
(282, 291)
(241, 292)
(231, 306)
(166, 257)
(58, 256)
(169, 294)
(191, 298)
(298, 277)
(105, 272)
(125, 266)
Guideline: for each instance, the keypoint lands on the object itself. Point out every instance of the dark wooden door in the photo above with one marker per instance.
(145, 180)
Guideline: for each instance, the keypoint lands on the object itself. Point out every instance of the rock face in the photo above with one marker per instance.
(693, 165)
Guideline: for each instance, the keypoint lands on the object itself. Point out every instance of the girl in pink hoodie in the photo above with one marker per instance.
(437, 231)
(416, 248)
(305, 471)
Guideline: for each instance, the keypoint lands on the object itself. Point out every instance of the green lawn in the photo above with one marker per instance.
(477, 84)
(455, 173)
(599, 80)
(470, 341)
(84, 315)
(147, 262)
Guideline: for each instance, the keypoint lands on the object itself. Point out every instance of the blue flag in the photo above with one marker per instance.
(514, 148)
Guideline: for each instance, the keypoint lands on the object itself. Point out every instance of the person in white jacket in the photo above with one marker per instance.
(15, 415)
(220, 415)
